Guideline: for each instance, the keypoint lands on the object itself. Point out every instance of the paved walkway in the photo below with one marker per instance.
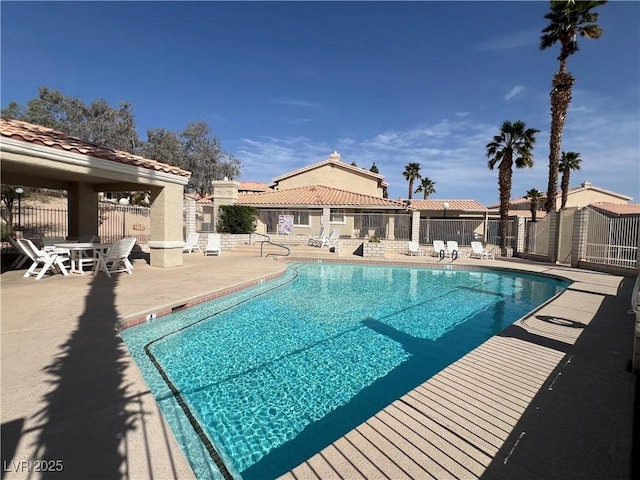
(549, 398)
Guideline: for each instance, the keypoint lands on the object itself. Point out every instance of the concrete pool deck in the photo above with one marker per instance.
(550, 397)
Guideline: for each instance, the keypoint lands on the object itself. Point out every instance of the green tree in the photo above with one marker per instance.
(514, 144)
(194, 149)
(534, 196)
(427, 187)
(8, 197)
(412, 173)
(237, 219)
(568, 161)
(567, 20)
(97, 122)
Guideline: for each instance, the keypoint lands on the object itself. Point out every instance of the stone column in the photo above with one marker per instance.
(82, 213)
(326, 218)
(520, 226)
(166, 226)
(225, 192)
(554, 236)
(415, 226)
(190, 216)
(579, 241)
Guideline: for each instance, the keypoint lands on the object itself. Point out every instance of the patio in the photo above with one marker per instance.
(70, 392)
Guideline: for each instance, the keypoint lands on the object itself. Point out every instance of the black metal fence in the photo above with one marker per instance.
(114, 222)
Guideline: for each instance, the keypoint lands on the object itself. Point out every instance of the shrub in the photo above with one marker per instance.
(5, 231)
(237, 219)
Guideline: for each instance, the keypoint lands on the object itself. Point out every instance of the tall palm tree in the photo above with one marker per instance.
(566, 21)
(427, 186)
(568, 161)
(514, 144)
(412, 173)
(534, 195)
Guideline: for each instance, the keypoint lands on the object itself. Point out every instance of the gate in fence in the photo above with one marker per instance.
(612, 240)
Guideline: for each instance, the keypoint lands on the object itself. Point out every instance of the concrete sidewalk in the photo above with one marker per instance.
(549, 398)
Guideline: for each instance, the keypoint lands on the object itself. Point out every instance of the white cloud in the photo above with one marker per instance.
(453, 153)
(524, 38)
(296, 102)
(514, 92)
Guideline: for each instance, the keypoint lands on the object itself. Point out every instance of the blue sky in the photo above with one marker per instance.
(285, 84)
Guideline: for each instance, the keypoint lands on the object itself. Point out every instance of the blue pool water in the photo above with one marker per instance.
(276, 372)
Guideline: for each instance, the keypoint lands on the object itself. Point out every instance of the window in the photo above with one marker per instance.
(336, 216)
(300, 218)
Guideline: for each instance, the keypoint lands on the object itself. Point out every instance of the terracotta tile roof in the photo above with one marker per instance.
(255, 187)
(317, 195)
(48, 137)
(457, 205)
(617, 208)
(330, 161)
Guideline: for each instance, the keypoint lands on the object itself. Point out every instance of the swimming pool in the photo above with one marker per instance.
(267, 377)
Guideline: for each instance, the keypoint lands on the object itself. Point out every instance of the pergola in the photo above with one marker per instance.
(36, 156)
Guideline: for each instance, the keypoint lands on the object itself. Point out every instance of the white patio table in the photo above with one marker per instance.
(82, 254)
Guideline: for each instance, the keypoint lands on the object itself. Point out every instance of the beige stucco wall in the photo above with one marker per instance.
(585, 197)
(332, 175)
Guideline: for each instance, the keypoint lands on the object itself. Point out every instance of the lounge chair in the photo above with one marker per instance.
(192, 243)
(452, 246)
(116, 258)
(329, 241)
(478, 251)
(414, 249)
(22, 257)
(313, 239)
(439, 249)
(51, 260)
(213, 244)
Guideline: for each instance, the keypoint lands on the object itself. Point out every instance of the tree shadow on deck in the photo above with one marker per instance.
(85, 416)
(90, 409)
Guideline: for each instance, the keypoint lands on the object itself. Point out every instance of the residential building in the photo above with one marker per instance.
(585, 194)
(334, 173)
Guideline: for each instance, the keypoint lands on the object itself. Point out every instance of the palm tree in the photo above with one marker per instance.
(411, 173)
(535, 196)
(569, 161)
(566, 21)
(427, 186)
(514, 144)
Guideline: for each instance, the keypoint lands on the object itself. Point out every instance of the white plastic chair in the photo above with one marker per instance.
(452, 246)
(438, 246)
(116, 258)
(22, 256)
(213, 244)
(192, 243)
(478, 251)
(414, 249)
(313, 239)
(51, 260)
(330, 240)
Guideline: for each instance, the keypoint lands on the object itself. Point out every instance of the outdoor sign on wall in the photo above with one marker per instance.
(285, 224)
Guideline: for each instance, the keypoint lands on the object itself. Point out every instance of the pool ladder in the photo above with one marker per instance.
(268, 240)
